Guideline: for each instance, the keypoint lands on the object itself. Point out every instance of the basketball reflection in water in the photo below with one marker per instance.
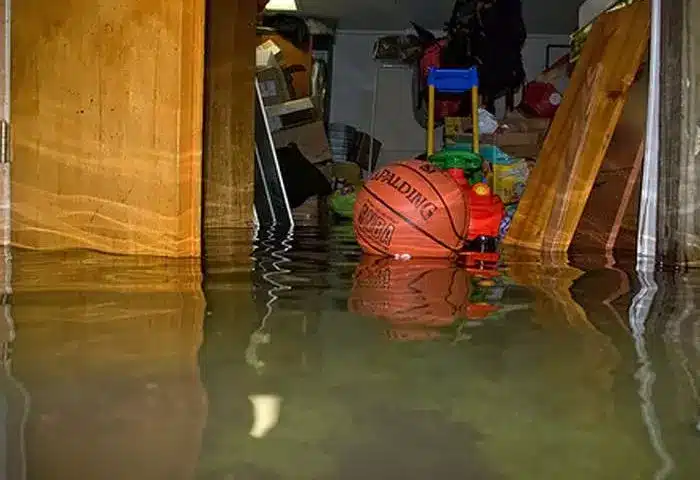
(420, 299)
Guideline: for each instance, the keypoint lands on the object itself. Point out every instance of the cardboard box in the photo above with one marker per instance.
(291, 114)
(515, 121)
(268, 54)
(273, 85)
(291, 56)
(522, 140)
(310, 138)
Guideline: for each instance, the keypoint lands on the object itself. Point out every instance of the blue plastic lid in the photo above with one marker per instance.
(453, 80)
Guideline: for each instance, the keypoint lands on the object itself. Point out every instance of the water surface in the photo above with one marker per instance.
(322, 364)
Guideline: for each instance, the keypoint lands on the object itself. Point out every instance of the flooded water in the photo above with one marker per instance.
(324, 365)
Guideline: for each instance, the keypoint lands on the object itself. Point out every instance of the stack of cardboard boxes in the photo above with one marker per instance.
(518, 135)
(292, 120)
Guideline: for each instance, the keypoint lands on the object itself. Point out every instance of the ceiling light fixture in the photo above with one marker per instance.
(282, 5)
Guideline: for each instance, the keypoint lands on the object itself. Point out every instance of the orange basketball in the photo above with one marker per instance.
(415, 298)
(411, 207)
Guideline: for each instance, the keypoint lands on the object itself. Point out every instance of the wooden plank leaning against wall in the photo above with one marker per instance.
(106, 125)
(573, 151)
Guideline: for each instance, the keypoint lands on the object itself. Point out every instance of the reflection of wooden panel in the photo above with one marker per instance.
(80, 270)
(106, 125)
(593, 357)
(578, 138)
(609, 219)
(549, 278)
(228, 131)
(110, 366)
(227, 251)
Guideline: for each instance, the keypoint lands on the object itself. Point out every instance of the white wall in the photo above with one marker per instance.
(590, 9)
(353, 83)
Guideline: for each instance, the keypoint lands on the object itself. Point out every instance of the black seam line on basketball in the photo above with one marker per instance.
(444, 203)
(418, 279)
(408, 220)
(368, 241)
(448, 294)
(371, 242)
(411, 309)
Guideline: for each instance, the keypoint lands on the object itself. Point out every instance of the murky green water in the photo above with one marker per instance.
(323, 365)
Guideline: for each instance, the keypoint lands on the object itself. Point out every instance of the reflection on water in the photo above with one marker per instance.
(309, 361)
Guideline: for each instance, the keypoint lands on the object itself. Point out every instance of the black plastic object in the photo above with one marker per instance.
(491, 35)
(291, 28)
(483, 244)
(301, 177)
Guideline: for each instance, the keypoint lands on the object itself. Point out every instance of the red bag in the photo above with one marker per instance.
(540, 99)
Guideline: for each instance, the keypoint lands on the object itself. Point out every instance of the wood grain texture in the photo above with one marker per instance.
(107, 113)
(227, 251)
(4, 110)
(108, 356)
(678, 221)
(580, 133)
(609, 221)
(229, 127)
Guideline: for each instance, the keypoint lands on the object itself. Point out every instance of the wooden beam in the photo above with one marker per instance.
(678, 222)
(106, 108)
(580, 133)
(228, 119)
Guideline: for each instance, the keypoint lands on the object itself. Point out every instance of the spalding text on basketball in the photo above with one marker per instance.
(425, 207)
(379, 279)
(375, 225)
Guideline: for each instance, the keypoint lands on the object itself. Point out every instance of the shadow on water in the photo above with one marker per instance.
(310, 361)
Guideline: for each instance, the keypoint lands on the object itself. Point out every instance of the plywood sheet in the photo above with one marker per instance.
(609, 220)
(578, 139)
(106, 124)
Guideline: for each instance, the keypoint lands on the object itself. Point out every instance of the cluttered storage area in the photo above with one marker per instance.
(431, 141)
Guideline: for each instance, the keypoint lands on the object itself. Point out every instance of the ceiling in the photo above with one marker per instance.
(541, 16)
